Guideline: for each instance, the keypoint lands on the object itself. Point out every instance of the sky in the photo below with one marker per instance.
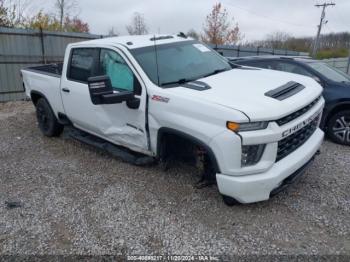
(256, 18)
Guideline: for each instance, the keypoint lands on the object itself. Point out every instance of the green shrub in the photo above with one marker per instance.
(332, 53)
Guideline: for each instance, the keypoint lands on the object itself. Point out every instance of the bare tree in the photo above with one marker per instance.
(64, 9)
(112, 32)
(277, 39)
(218, 29)
(192, 33)
(138, 25)
(12, 12)
(4, 21)
(22, 7)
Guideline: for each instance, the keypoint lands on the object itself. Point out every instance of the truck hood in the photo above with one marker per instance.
(244, 89)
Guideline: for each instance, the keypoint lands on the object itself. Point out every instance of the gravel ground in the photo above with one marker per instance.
(74, 200)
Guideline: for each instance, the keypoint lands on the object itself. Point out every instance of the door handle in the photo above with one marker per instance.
(65, 90)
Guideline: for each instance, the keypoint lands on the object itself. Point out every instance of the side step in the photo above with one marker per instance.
(124, 154)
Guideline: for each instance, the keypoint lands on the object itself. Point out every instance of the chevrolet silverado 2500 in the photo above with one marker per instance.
(254, 130)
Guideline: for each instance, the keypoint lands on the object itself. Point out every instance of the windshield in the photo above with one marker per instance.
(179, 62)
(330, 72)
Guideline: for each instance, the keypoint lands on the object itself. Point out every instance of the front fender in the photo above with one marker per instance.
(331, 108)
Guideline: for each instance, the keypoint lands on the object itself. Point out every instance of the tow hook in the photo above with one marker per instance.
(318, 153)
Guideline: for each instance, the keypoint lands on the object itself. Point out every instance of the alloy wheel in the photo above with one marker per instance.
(341, 128)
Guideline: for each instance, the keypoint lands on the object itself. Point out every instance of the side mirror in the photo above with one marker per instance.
(101, 92)
(98, 86)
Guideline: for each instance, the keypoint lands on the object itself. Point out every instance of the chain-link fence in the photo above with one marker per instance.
(239, 51)
(342, 64)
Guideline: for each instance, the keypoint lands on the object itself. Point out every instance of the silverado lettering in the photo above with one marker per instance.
(300, 126)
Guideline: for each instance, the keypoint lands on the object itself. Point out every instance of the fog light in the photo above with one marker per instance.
(251, 155)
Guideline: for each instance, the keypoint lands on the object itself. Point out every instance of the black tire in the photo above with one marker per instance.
(47, 120)
(338, 128)
(229, 201)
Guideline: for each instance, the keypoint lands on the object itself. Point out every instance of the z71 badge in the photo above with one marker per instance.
(160, 99)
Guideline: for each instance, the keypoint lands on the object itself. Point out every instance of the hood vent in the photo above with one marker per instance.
(285, 91)
(197, 85)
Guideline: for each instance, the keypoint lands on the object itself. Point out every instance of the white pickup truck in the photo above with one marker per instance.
(169, 96)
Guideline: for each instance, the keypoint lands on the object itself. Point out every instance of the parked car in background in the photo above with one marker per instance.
(336, 89)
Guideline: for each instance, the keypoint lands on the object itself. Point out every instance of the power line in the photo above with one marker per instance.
(322, 22)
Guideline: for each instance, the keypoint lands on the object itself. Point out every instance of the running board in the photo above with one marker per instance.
(120, 152)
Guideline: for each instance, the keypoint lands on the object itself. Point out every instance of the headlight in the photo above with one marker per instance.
(251, 155)
(236, 127)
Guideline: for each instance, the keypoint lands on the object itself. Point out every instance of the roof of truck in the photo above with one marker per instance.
(137, 41)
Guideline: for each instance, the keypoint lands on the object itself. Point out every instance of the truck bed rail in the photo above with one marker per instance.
(50, 69)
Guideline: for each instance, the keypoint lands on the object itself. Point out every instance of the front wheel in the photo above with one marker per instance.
(229, 201)
(47, 120)
(338, 128)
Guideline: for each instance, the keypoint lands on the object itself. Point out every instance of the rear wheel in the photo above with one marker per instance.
(47, 120)
(338, 128)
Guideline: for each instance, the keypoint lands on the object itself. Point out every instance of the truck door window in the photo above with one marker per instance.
(114, 66)
(259, 64)
(82, 64)
(292, 68)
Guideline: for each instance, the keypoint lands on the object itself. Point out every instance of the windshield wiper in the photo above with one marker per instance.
(186, 80)
(180, 81)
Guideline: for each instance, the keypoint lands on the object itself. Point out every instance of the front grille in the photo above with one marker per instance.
(291, 143)
(298, 113)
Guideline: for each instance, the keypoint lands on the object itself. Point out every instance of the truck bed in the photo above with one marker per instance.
(45, 80)
(51, 69)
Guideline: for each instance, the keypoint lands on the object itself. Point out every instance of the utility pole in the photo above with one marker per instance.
(348, 67)
(322, 22)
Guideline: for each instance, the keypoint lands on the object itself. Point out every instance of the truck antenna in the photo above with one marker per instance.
(156, 57)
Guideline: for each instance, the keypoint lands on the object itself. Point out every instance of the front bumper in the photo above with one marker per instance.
(258, 187)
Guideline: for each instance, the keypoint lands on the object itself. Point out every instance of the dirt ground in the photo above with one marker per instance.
(58, 196)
